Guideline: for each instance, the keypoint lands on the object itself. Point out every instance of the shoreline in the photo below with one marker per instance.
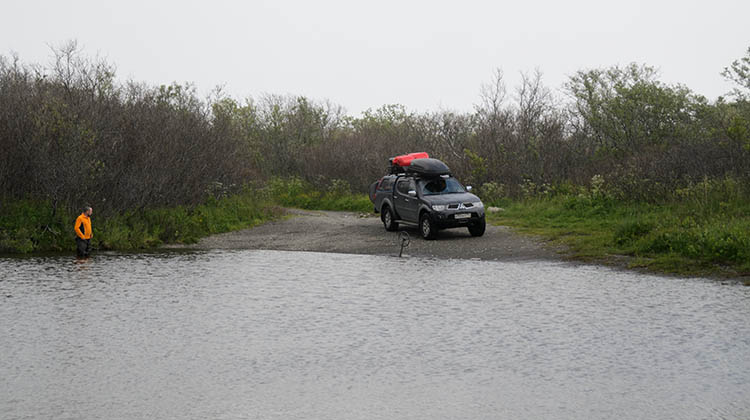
(363, 234)
(359, 233)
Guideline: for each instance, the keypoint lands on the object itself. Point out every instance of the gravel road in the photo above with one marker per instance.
(353, 233)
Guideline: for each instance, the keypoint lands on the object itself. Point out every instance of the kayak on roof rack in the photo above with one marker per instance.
(400, 163)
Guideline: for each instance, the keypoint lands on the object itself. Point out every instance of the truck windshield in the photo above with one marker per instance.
(440, 186)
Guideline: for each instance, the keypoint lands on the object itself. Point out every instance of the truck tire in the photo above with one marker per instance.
(479, 228)
(426, 227)
(388, 218)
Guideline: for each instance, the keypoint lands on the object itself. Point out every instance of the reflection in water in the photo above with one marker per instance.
(261, 334)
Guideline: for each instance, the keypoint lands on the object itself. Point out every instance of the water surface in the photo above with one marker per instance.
(283, 335)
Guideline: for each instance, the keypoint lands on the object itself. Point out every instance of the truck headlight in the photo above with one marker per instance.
(438, 207)
(478, 205)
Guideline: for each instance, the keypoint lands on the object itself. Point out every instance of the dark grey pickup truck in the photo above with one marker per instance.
(425, 195)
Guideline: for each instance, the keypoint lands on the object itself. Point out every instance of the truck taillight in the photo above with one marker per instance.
(375, 190)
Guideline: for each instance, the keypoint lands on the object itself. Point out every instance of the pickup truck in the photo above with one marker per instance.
(426, 196)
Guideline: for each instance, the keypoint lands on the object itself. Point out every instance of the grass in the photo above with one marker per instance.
(296, 193)
(683, 236)
(30, 226)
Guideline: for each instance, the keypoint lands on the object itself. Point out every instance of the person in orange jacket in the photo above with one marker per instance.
(84, 232)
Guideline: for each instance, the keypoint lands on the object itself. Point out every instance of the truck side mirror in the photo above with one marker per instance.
(412, 193)
(468, 188)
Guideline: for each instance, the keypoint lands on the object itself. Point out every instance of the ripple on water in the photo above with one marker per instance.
(304, 335)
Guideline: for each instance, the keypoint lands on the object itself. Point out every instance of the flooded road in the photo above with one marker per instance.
(296, 335)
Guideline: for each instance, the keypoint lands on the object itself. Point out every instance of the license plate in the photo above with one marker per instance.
(462, 216)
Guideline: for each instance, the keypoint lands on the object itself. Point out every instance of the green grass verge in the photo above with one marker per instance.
(30, 226)
(296, 193)
(682, 237)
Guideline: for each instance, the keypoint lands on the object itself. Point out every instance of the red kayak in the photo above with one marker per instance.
(405, 160)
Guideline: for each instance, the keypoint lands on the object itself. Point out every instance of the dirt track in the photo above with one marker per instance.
(352, 233)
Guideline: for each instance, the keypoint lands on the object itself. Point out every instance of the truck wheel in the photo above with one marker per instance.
(426, 227)
(479, 228)
(389, 219)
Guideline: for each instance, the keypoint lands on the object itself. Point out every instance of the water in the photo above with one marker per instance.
(280, 335)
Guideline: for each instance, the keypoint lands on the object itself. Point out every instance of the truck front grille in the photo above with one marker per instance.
(457, 206)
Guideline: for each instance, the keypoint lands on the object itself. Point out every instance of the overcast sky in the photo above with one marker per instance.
(426, 55)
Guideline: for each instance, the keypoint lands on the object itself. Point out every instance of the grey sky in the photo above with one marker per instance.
(426, 55)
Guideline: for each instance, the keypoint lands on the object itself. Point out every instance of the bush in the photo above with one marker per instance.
(491, 193)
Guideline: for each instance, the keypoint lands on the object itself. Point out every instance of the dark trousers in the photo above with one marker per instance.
(83, 247)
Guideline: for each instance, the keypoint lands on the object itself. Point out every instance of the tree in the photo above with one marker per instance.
(737, 114)
(625, 109)
(739, 73)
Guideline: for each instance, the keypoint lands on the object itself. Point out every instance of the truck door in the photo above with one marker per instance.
(406, 205)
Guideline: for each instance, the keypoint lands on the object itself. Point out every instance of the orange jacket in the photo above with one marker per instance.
(83, 227)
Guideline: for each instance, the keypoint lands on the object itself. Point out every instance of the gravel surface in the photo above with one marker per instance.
(353, 233)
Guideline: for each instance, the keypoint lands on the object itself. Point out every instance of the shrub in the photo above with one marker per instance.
(491, 192)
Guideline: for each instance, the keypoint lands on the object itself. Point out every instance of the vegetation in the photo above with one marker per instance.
(28, 226)
(703, 229)
(153, 161)
(294, 192)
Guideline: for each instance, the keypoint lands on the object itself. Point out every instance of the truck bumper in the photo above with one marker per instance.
(449, 220)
